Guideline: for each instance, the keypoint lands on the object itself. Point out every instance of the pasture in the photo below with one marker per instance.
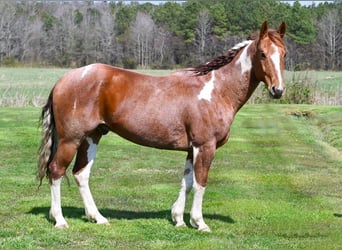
(23, 87)
(277, 184)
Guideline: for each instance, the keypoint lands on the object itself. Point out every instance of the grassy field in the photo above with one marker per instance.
(326, 86)
(23, 87)
(277, 184)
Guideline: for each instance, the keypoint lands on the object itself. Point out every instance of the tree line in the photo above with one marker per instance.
(170, 35)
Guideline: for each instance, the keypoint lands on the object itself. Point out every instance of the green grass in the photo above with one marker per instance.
(277, 184)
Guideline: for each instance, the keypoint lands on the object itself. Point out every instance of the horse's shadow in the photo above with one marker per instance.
(77, 212)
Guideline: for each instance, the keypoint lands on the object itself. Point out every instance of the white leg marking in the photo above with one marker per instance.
(179, 206)
(82, 180)
(245, 60)
(196, 210)
(208, 88)
(56, 208)
(275, 57)
(196, 216)
(86, 70)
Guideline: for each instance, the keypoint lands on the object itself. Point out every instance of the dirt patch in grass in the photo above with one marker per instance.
(301, 113)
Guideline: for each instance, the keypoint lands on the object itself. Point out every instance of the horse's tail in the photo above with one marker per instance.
(48, 144)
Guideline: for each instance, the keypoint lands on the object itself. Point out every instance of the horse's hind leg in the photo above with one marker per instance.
(187, 182)
(84, 161)
(64, 155)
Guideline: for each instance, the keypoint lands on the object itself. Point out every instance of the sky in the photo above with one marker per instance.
(308, 3)
(157, 2)
(304, 3)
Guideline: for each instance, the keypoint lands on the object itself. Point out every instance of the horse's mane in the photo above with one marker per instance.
(221, 61)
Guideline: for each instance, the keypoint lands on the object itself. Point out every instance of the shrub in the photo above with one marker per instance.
(9, 61)
(129, 63)
(299, 90)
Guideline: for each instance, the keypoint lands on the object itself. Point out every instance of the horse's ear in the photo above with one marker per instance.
(282, 29)
(263, 30)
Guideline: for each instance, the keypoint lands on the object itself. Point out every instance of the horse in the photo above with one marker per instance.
(188, 110)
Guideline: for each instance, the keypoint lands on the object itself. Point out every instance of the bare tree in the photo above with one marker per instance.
(142, 32)
(330, 39)
(163, 52)
(107, 36)
(7, 34)
(203, 30)
(32, 49)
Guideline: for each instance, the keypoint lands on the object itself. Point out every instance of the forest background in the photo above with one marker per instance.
(165, 36)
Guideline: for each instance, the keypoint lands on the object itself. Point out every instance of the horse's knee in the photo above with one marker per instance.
(56, 171)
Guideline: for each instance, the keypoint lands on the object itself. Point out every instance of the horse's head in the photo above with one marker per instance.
(268, 60)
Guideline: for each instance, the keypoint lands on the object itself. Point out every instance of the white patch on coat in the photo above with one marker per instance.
(275, 57)
(207, 89)
(245, 60)
(241, 45)
(195, 153)
(83, 176)
(75, 105)
(86, 70)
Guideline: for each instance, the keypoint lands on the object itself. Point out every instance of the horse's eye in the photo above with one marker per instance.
(262, 55)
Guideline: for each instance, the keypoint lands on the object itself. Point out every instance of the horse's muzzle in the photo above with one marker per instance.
(276, 93)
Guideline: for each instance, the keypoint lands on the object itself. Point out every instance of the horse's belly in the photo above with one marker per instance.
(153, 134)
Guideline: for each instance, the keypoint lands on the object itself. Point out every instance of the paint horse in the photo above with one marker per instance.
(189, 110)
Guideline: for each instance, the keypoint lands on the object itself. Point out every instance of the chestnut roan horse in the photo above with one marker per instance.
(190, 110)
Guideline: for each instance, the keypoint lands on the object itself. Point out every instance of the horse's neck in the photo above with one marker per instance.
(238, 82)
(251, 85)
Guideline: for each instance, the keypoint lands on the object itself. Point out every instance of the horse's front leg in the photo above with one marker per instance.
(187, 182)
(84, 161)
(203, 157)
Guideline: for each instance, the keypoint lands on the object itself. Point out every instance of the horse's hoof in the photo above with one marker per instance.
(205, 229)
(106, 223)
(202, 227)
(193, 223)
(180, 224)
(61, 226)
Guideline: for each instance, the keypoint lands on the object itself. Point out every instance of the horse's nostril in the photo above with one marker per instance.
(276, 92)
